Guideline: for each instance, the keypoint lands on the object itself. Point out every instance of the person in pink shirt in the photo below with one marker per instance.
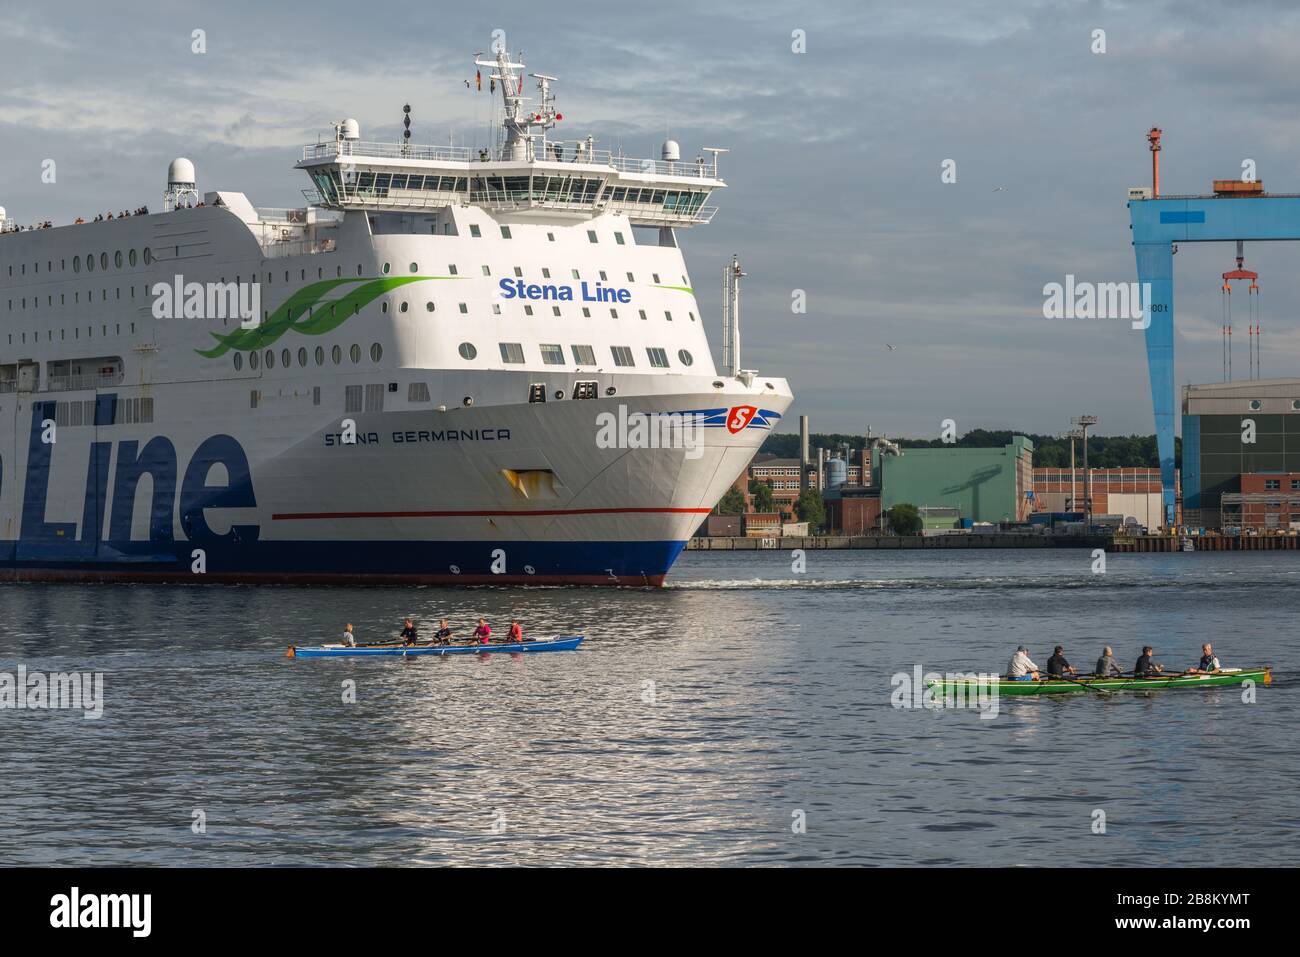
(482, 633)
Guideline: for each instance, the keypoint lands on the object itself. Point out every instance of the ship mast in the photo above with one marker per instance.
(518, 122)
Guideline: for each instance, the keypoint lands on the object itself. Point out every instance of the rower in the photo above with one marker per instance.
(1146, 664)
(516, 635)
(1208, 665)
(409, 635)
(443, 634)
(1107, 666)
(1057, 666)
(1022, 667)
(348, 638)
(482, 634)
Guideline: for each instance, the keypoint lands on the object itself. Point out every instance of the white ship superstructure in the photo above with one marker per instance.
(422, 392)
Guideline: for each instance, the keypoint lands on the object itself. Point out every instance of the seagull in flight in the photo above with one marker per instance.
(889, 347)
(999, 189)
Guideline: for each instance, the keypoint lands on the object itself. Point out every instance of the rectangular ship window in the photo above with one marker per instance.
(512, 352)
(375, 397)
(352, 398)
(583, 355)
(417, 392)
(552, 354)
(622, 355)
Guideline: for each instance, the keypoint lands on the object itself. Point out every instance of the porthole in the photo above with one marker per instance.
(611, 390)
(684, 357)
(467, 351)
(239, 361)
(270, 358)
(428, 307)
(1295, 405)
(383, 307)
(336, 354)
(320, 355)
(130, 258)
(559, 393)
(467, 401)
(103, 261)
(404, 306)
(415, 267)
(355, 353)
(1256, 405)
(76, 264)
(385, 269)
(376, 352)
(117, 259)
(286, 359)
(252, 360)
(302, 356)
(148, 255)
(90, 262)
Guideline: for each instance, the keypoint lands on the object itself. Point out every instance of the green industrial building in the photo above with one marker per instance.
(952, 483)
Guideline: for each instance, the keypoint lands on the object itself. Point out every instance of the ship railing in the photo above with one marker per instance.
(81, 383)
(553, 152)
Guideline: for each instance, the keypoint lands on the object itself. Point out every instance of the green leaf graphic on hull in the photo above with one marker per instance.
(303, 312)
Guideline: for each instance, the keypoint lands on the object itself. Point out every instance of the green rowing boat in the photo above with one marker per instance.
(970, 685)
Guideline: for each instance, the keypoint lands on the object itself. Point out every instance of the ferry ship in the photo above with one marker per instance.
(406, 380)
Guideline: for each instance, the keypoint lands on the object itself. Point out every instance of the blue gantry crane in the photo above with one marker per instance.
(1237, 211)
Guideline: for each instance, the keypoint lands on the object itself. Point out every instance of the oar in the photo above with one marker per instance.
(1080, 683)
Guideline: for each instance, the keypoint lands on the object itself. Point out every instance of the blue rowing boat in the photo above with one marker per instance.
(568, 643)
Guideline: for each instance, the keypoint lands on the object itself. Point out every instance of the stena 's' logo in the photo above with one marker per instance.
(739, 417)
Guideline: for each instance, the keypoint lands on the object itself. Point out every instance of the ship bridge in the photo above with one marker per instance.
(522, 172)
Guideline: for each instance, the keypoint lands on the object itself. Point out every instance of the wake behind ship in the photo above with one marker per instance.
(449, 366)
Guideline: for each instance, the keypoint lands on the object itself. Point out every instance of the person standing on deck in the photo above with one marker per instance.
(1146, 664)
(1022, 667)
(1107, 666)
(1057, 666)
(1208, 665)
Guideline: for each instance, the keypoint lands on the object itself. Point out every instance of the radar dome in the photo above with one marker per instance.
(351, 129)
(180, 173)
(671, 152)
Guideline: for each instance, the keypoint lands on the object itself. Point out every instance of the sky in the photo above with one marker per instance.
(924, 298)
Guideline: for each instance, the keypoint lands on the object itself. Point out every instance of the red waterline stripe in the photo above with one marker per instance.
(507, 513)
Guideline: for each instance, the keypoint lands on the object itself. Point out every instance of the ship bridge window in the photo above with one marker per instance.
(398, 181)
(622, 356)
(552, 354)
(658, 358)
(512, 352)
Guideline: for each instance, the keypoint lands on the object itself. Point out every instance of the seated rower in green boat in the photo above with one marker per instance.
(1208, 664)
(1022, 667)
(1146, 665)
(1107, 666)
(1057, 666)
